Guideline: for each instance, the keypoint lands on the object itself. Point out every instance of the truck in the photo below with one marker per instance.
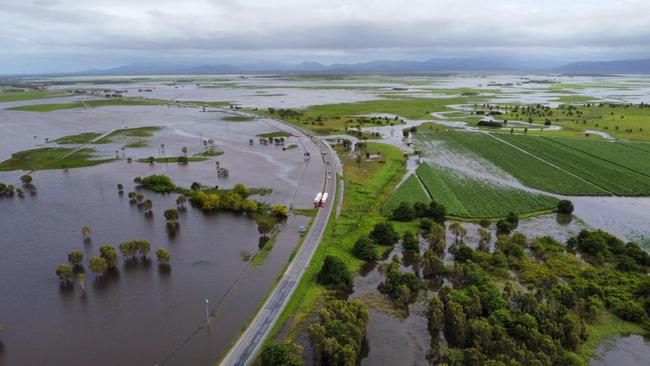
(323, 199)
(318, 199)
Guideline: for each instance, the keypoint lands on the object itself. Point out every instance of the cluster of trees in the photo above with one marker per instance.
(138, 198)
(233, 200)
(382, 234)
(106, 260)
(402, 288)
(338, 336)
(599, 247)
(172, 217)
(407, 212)
(335, 275)
(285, 354)
(8, 190)
(508, 225)
(541, 315)
(156, 183)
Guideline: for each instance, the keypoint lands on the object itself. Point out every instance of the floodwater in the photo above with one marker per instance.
(631, 350)
(140, 314)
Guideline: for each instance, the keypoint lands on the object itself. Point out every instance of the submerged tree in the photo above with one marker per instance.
(98, 265)
(64, 272)
(109, 254)
(85, 232)
(75, 258)
(81, 280)
(163, 256)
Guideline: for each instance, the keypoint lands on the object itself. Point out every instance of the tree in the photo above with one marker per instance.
(410, 243)
(109, 254)
(98, 265)
(513, 219)
(120, 188)
(64, 272)
(242, 190)
(181, 200)
(463, 254)
(334, 273)
(384, 234)
(435, 317)
(147, 205)
(171, 214)
(264, 227)
(364, 249)
(286, 354)
(143, 247)
(158, 183)
(85, 231)
(432, 265)
(163, 256)
(75, 258)
(504, 227)
(81, 280)
(280, 211)
(404, 212)
(459, 232)
(485, 236)
(184, 151)
(26, 179)
(437, 239)
(565, 207)
(455, 323)
(436, 212)
(128, 248)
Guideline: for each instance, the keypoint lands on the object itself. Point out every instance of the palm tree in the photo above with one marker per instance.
(85, 232)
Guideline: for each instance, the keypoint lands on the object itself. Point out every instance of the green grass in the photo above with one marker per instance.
(129, 133)
(468, 197)
(333, 118)
(172, 159)
(95, 103)
(137, 144)
(270, 135)
(210, 153)
(51, 158)
(82, 138)
(606, 327)
(238, 119)
(625, 122)
(292, 146)
(15, 95)
(259, 259)
(527, 169)
(411, 191)
(595, 169)
(310, 212)
(367, 186)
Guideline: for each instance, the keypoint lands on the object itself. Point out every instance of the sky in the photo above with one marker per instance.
(71, 35)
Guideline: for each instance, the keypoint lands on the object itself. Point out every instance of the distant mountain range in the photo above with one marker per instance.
(448, 65)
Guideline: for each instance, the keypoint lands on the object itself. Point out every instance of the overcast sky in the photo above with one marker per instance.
(69, 35)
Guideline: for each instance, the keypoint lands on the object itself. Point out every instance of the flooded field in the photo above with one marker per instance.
(163, 313)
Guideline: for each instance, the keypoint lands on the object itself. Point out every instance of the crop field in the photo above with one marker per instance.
(623, 154)
(410, 191)
(468, 197)
(526, 168)
(611, 177)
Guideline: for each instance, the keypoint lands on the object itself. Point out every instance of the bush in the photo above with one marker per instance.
(287, 354)
(384, 234)
(565, 207)
(335, 274)
(364, 249)
(158, 183)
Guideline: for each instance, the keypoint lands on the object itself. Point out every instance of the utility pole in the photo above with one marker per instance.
(207, 312)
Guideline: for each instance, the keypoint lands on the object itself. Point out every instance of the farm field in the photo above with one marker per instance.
(524, 167)
(623, 154)
(610, 177)
(468, 197)
(410, 191)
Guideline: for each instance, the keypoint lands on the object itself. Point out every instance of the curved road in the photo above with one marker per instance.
(249, 343)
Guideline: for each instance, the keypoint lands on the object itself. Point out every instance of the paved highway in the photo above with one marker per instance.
(249, 343)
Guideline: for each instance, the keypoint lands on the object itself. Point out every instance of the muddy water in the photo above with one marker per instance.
(632, 350)
(160, 313)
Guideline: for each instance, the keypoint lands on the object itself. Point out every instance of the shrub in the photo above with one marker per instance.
(335, 274)
(158, 183)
